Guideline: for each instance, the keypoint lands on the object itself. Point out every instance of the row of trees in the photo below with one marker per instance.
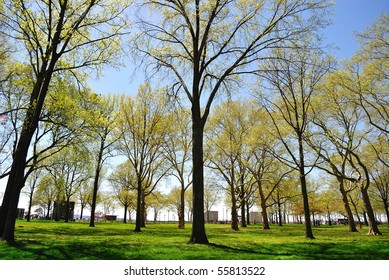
(304, 114)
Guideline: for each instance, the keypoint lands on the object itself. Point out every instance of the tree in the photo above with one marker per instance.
(46, 193)
(85, 194)
(345, 127)
(70, 169)
(337, 120)
(172, 200)
(293, 81)
(101, 129)
(157, 201)
(373, 56)
(206, 45)
(123, 182)
(32, 183)
(380, 177)
(228, 128)
(57, 37)
(142, 128)
(178, 153)
(108, 201)
(212, 193)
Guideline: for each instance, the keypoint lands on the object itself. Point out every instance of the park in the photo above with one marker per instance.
(162, 113)
(49, 240)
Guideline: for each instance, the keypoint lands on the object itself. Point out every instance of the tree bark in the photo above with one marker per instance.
(386, 206)
(304, 191)
(279, 213)
(125, 214)
(16, 179)
(198, 228)
(181, 212)
(138, 216)
(243, 206)
(143, 211)
(234, 210)
(265, 223)
(67, 209)
(351, 222)
(373, 226)
(96, 182)
(248, 214)
(30, 205)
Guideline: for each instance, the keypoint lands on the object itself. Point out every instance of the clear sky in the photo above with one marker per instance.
(349, 16)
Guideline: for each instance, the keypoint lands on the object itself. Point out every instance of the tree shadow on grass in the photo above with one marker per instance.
(32, 249)
(254, 252)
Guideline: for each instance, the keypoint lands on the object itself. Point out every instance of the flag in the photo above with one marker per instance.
(4, 116)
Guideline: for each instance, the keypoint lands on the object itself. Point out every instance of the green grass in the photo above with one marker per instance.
(77, 241)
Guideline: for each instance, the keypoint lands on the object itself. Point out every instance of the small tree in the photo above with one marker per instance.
(123, 184)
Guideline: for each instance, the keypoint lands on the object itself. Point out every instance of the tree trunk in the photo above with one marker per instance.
(125, 214)
(143, 215)
(198, 227)
(248, 214)
(67, 209)
(329, 217)
(243, 211)
(30, 205)
(351, 222)
(96, 182)
(138, 216)
(48, 210)
(265, 224)
(181, 211)
(373, 226)
(279, 214)
(386, 206)
(234, 210)
(304, 191)
(16, 180)
(356, 213)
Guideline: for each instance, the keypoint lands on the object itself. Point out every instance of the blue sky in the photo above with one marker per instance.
(352, 16)
(349, 16)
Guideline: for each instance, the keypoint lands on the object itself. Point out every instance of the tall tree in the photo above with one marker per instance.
(228, 128)
(345, 131)
(142, 128)
(178, 153)
(57, 36)
(380, 177)
(101, 128)
(205, 45)
(292, 83)
(374, 58)
(337, 120)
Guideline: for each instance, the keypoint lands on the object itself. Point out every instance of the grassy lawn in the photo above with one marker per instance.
(77, 241)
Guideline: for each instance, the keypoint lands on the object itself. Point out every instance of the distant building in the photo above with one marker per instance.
(256, 217)
(59, 211)
(111, 217)
(211, 216)
(20, 213)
